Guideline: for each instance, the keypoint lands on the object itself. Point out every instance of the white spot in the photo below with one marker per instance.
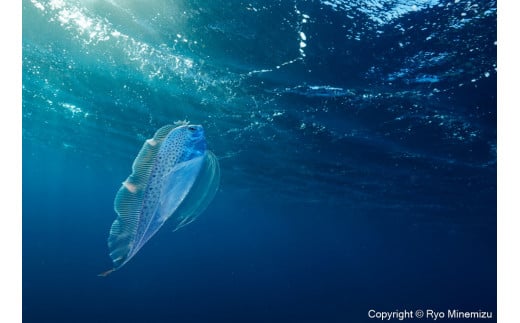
(188, 62)
(151, 142)
(486, 74)
(83, 22)
(38, 5)
(57, 4)
(302, 35)
(129, 186)
(71, 107)
(302, 44)
(302, 126)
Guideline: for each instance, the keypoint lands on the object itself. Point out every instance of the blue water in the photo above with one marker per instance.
(356, 140)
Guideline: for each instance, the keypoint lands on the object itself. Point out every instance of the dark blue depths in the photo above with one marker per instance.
(358, 169)
(250, 258)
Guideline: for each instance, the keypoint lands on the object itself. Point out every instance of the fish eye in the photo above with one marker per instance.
(192, 128)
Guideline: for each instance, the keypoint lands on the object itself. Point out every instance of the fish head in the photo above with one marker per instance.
(196, 141)
(195, 132)
(184, 143)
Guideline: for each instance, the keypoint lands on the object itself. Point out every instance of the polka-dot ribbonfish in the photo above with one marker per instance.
(173, 177)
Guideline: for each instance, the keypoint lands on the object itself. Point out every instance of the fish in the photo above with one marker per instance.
(174, 178)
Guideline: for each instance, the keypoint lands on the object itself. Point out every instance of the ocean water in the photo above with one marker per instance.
(356, 140)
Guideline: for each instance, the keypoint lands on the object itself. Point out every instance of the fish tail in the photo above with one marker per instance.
(106, 273)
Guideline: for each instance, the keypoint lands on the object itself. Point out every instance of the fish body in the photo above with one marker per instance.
(173, 177)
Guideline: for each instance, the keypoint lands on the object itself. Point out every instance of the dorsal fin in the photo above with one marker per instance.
(129, 199)
(143, 163)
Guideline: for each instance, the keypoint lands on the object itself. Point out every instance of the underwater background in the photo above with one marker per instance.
(356, 141)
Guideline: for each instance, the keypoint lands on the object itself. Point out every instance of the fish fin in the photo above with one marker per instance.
(186, 221)
(181, 122)
(162, 132)
(106, 273)
(201, 193)
(143, 163)
(129, 199)
(177, 184)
